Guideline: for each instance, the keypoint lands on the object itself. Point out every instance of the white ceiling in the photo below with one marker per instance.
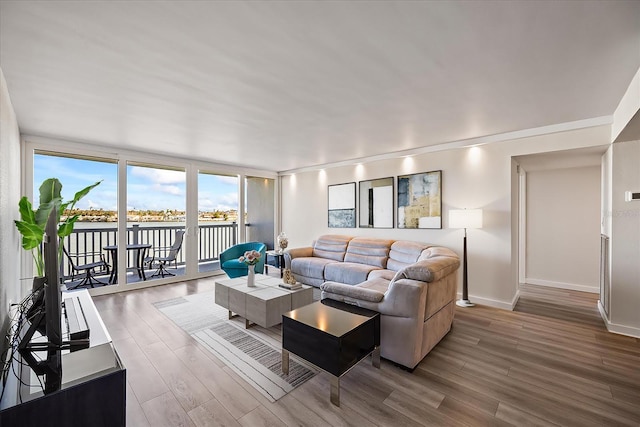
(285, 85)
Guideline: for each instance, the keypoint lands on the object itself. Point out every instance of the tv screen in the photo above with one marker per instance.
(45, 315)
(52, 306)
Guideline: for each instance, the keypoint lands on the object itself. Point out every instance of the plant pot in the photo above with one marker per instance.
(38, 282)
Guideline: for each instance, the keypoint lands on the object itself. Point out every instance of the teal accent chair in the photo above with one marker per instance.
(234, 268)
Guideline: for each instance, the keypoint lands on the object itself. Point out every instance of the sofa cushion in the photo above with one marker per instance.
(331, 247)
(350, 273)
(404, 253)
(310, 266)
(382, 274)
(380, 285)
(364, 291)
(368, 251)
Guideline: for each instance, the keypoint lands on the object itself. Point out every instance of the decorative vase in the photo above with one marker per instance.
(251, 277)
(283, 242)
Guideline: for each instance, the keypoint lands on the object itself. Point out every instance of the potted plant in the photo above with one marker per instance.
(33, 222)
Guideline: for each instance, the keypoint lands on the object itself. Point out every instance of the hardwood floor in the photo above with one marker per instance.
(549, 362)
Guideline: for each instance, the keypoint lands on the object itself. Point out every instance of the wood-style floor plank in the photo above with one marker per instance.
(212, 414)
(225, 389)
(165, 411)
(549, 362)
(184, 385)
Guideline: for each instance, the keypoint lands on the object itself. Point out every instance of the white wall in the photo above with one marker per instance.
(563, 228)
(625, 240)
(10, 291)
(479, 177)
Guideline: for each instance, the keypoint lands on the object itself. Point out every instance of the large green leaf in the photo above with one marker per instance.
(42, 214)
(26, 211)
(49, 190)
(66, 227)
(80, 194)
(32, 234)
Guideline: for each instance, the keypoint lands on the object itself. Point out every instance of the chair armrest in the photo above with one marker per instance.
(290, 254)
(354, 292)
(87, 255)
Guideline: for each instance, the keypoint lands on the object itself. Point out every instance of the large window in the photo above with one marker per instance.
(151, 218)
(96, 227)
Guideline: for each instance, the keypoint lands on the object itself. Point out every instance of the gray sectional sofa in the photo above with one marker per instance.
(412, 285)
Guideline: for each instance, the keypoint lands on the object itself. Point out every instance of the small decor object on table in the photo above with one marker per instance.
(291, 287)
(283, 242)
(288, 277)
(251, 258)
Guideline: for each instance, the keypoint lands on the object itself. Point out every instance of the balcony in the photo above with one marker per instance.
(89, 243)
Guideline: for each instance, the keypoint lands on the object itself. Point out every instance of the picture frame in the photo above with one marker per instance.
(376, 203)
(419, 200)
(342, 205)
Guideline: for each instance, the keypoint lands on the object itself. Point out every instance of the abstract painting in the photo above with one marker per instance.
(420, 200)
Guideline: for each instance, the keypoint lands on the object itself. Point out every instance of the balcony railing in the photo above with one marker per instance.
(212, 239)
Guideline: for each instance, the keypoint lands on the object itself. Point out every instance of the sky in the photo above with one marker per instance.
(147, 188)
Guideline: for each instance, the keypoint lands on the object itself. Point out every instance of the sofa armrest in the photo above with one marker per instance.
(431, 269)
(404, 298)
(290, 254)
(353, 292)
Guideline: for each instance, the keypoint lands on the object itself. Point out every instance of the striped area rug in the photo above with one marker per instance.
(252, 353)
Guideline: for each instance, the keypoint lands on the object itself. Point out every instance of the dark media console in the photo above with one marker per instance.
(92, 384)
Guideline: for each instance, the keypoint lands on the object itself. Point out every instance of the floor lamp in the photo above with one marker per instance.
(465, 218)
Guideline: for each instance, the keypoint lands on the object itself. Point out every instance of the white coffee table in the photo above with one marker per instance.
(263, 304)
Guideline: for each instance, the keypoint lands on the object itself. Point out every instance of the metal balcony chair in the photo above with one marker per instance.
(88, 269)
(229, 259)
(171, 256)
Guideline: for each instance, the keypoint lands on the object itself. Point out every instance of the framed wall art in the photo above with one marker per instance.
(376, 203)
(342, 205)
(420, 200)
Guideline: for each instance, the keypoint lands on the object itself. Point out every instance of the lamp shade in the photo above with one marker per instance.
(465, 218)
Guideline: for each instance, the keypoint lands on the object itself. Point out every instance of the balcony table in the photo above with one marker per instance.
(141, 252)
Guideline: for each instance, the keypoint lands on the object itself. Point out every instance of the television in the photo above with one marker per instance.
(45, 316)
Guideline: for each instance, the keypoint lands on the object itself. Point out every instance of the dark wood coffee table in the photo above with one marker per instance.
(333, 336)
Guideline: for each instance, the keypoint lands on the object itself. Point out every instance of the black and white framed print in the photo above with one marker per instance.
(342, 205)
(376, 203)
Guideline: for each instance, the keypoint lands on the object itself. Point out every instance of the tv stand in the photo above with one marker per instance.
(92, 388)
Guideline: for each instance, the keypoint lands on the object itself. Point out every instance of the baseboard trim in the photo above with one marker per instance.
(492, 302)
(615, 328)
(562, 285)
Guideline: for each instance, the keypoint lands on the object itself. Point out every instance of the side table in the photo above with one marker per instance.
(279, 257)
(332, 335)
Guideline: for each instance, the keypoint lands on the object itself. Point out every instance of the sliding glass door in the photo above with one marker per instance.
(156, 222)
(260, 210)
(217, 218)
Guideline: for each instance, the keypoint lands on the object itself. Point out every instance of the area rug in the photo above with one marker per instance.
(251, 353)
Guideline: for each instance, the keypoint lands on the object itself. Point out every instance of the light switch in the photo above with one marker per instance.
(629, 196)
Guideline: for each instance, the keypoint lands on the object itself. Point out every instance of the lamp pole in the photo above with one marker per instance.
(463, 218)
(464, 302)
